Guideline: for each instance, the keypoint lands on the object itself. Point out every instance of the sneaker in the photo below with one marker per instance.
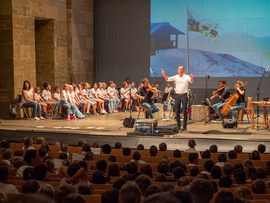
(137, 108)
(75, 118)
(116, 111)
(36, 118)
(126, 110)
(68, 118)
(105, 112)
(41, 118)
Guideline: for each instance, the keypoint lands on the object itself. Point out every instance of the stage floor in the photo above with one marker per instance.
(109, 129)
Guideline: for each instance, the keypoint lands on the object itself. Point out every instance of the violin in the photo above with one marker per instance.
(151, 89)
(218, 90)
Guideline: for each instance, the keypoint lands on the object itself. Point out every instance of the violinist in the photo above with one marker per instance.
(147, 94)
(222, 94)
(240, 103)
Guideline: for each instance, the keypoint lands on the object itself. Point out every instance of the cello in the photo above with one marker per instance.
(226, 108)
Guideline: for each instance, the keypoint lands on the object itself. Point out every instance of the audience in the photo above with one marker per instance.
(261, 148)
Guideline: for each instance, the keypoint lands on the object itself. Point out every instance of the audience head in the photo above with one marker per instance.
(152, 189)
(248, 163)
(140, 147)
(251, 172)
(213, 148)
(89, 156)
(46, 146)
(40, 140)
(227, 169)
(39, 172)
(183, 181)
(118, 145)
(232, 154)
(238, 149)
(243, 192)
(240, 176)
(261, 148)
(46, 191)
(222, 157)
(136, 156)
(225, 182)
(42, 152)
(130, 193)
(178, 172)
(113, 170)
(176, 153)
(143, 181)
(102, 165)
(72, 169)
(86, 148)
(6, 154)
(31, 157)
(98, 178)
(163, 167)
(126, 152)
(162, 146)
(160, 178)
(83, 164)
(112, 158)
(74, 198)
(224, 196)
(162, 197)
(62, 192)
(258, 187)
(119, 183)
(260, 173)
(30, 187)
(216, 172)
(63, 155)
(191, 143)
(131, 168)
(194, 171)
(95, 145)
(110, 196)
(238, 166)
(206, 154)
(28, 142)
(167, 187)
(17, 162)
(208, 165)
(153, 150)
(4, 144)
(193, 158)
(201, 191)
(81, 142)
(255, 155)
(106, 149)
(147, 170)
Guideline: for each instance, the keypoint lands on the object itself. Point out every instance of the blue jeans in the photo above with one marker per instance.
(55, 108)
(35, 106)
(217, 108)
(63, 103)
(181, 100)
(236, 107)
(151, 108)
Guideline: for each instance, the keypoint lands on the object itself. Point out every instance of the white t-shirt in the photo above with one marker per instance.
(134, 91)
(93, 91)
(79, 95)
(89, 93)
(29, 95)
(37, 96)
(99, 92)
(181, 83)
(84, 92)
(124, 91)
(47, 95)
(21, 169)
(57, 95)
(111, 90)
(64, 95)
(168, 89)
(7, 188)
(71, 97)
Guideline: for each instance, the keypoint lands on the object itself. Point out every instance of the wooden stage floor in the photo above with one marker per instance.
(109, 129)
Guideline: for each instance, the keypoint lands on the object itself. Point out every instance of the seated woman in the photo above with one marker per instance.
(29, 100)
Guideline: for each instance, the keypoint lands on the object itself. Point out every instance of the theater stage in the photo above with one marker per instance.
(109, 129)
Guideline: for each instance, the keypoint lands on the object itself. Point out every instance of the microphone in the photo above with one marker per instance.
(151, 70)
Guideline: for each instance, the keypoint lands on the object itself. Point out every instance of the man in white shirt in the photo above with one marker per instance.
(182, 81)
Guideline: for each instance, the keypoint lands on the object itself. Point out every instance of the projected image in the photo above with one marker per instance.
(222, 38)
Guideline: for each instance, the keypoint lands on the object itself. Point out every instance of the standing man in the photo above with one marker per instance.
(146, 96)
(182, 80)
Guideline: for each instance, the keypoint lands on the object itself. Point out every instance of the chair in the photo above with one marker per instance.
(246, 111)
(29, 109)
(141, 108)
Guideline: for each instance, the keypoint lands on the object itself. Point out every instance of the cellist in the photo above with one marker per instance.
(223, 93)
(240, 103)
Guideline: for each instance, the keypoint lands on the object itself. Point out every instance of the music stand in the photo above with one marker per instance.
(164, 98)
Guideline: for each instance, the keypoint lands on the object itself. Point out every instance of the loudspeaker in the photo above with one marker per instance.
(229, 123)
(129, 122)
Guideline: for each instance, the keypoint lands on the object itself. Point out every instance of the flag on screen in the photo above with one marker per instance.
(209, 30)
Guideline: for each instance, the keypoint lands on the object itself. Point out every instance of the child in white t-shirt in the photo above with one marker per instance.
(99, 101)
(89, 96)
(41, 102)
(47, 97)
(112, 95)
(125, 96)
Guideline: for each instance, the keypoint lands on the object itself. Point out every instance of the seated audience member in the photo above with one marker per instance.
(74, 198)
(5, 187)
(206, 154)
(46, 191)
(201, 191)
(17, 161)
(126, 152)
(132, 169)
(178, 172)
(227, 169)
(224, 196)
(83, 164)
(203, 175)
(152, 189)
(4, 144)
(81, 142)
(84, 190)
(102, 165)
(118, 145)
(238, 166)
(113, 170)
(213, 148)
(177, 164)
(143, 181)
(6, 156)
(147, 169)
(119, 183)
(261, 148)
(243, 192)
(86, 148)
(160, 178)
(106, 149)
(240, 176)
(194, 171)
(208, 165)
(50, 166)
(137, 158)
(258, 187)
(140, 147)
(89, 156)
(110, 196)
(28, 144)
(163, 146)
(248, 163)
(238, 149)
(64, 148)
(112, 158)
(31, 159)
(63, 155)
(30, 187)
(130, 193)
(39, 174)
(183, 181)
(222, 159)
(216, 172)
(45, 146)
(225, 182)
(40, 140)
(184, 196)
(193, 159)
(255, 155)
(232, 154)
(260, 173)
(192, 144)
(163, 168)
(62, 192)
(176, 153)
(42, 152)
(167, 187)
(214, 185)
(162, 197)
(153, 151)
(251, 172)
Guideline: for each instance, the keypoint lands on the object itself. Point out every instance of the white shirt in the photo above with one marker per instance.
(134, 91)
(29, 95)
(111, 90)
(98, 92)
(124, 91)
(181, 83)
(168, 89)
(47, 95)
(64, 95)
(37, 95)
(57, 95)
(89, 92)
(21, 169)
(93, 91)
(6, 188)
(193, 150)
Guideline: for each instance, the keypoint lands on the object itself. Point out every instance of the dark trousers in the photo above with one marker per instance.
(181, 99)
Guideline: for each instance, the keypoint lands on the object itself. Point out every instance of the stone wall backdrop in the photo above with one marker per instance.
(44, 41)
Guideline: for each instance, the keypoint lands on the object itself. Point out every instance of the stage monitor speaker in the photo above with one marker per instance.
(229, 123)
(129, 122)
(145, 125)
(167, 129)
